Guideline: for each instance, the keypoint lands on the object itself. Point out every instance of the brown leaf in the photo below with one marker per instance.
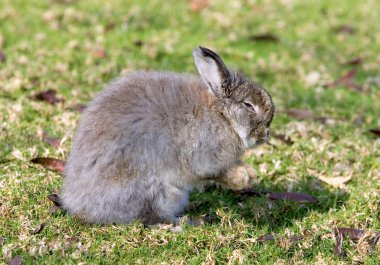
(35, 80)
(3, 58)
(110, 26)
(50, 140)
(267, 237)
(71, 240)
(339, 244)
(300, 113)
(285, 138)
(198, 5)
(48, 96)
(359, 119)
(292, 196)
(248, 192)
(347, 80)
(264, 37)
(138, 43)
(55, 199)
(353, 61)
(376, 239)
(39, 229)
(345, 29)
(2, 240)
(352, 233)
(326, 120)
(348, 76)
(79, 107)
(376, 132)
(50, 163)
(15, 261)
(295, 238)
(99, 53)
(53, 209)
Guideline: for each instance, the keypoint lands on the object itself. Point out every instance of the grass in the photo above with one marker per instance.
(75, 47)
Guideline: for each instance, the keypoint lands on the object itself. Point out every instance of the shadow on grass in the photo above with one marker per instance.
(259, 210)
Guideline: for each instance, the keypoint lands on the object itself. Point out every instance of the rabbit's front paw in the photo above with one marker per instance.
(239, 177)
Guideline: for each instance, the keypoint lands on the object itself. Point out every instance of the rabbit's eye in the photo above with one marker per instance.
(249, 106)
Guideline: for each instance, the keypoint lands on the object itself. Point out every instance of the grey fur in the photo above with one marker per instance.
(147, 139)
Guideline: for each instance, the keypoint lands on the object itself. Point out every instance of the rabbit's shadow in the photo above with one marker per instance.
(259, 210)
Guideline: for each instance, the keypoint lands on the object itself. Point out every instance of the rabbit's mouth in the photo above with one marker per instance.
(253, 142)
(261, 141)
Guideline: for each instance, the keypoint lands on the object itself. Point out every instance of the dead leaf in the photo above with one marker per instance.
(15, 261)
(50, 163)
(198, 5)
(54, 198)
(337, 182)
(376, 132)
(347, 80)
(353, 234)
(294, 238)
(349, 75)
(359, 119)
(53, 209)
(300, 113)
(64, 1)
(50, 140)
(339, 244)
(267, 237)
(138, 43)
(71, 240)
(353, 61)
(48, 96)
(99, 53)
(3, 58)
(39, 229)
(326, 120)
(110, 26)
(285, 138)
(292, 196)
(376, 239)
(79, 107)
(264, 37)
(35, 80)
(345, 29)
(248, 192)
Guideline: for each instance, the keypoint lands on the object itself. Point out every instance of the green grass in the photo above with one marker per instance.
(51, 45)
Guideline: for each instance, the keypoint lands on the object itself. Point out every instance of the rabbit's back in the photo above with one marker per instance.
(137, 117)
(143, 112)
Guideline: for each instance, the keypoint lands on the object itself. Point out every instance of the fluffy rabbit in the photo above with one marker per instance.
(147, 139)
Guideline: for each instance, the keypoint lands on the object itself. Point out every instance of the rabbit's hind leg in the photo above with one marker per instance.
(169, 203)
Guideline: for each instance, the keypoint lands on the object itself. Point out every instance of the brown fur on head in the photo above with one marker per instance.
(247, 106)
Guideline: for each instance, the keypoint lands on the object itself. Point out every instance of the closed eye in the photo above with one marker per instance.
(249, 106)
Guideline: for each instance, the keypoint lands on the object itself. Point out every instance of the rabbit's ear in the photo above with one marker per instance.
(212, 71)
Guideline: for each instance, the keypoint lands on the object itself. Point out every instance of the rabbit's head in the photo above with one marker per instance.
(247, 106)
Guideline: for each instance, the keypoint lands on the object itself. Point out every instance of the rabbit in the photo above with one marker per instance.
(149, 138)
